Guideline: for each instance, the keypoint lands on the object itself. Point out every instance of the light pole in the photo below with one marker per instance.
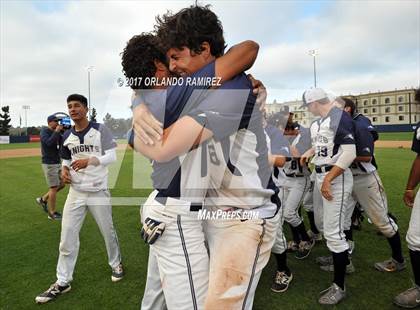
(313, 53)
(89, 69)
(26, 108)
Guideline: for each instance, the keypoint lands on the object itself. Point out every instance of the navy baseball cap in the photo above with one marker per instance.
(52, 118)
(314, 94)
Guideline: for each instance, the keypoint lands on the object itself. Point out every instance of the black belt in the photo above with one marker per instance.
(194, 206)
(294, 175)
(322, 169)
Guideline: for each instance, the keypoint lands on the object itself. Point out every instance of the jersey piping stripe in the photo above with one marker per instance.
(257, 255)
(282, 220)
(187, 260)
(341, 207)
(383, 201)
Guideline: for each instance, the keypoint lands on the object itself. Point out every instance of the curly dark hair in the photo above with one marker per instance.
(349, 103)
(190, 27)
(138, 58)
(278, 119)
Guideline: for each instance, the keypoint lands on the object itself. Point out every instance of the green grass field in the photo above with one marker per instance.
(396, 136)
(20, 146)
(29, 248)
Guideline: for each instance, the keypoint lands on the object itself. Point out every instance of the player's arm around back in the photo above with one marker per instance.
(238, 59)
(178, 139)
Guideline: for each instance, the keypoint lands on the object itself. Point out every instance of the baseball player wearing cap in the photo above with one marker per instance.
(411, 297)
(87, 149)
(369, 191)
(333, 151)
(278, 148)
(51, 165)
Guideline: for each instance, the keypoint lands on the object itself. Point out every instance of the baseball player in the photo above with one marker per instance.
(334, 150)
(87, 149)
(182, 263)
(411, 297)
(278, 148)
(296, 186)
(231, 155)
(369, 191)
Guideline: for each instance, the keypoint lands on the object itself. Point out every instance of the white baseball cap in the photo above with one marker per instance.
(315, 94)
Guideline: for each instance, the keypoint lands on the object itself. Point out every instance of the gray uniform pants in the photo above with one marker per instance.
(334, 211)
(74, 213)
(413, 233)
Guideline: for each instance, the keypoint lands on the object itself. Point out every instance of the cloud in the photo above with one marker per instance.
(45, 48)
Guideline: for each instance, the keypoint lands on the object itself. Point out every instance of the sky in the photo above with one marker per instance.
(46, 47)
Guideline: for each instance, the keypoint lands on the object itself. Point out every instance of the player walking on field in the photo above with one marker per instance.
(278, 148)
(333, 148)
(411, 297)
(87, 149)
(369, 191)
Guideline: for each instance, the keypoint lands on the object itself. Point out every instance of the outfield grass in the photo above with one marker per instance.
(29, 249)
(12, 146)
(385, 136)
(32, 145)
(396, 136)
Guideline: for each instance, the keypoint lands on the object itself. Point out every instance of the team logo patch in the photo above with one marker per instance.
(349, 136)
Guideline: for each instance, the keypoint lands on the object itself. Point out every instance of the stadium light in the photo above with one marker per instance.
(89, 70)
(313, 53)
(26, 108)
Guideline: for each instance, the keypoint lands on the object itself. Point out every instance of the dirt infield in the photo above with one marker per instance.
(34, 152)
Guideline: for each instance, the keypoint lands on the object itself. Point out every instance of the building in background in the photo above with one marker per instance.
(395, 110)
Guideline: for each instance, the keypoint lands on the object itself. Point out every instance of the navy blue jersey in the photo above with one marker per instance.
(368, 124)
(236, 122)
(302, 142)
(364, 145)
(279, 145)
(416, 139)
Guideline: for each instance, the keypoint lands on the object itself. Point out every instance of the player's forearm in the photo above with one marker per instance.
(414, 178)
(334, 172)
(276, 160)
(238, 59)
(365, 159)
(178, 139)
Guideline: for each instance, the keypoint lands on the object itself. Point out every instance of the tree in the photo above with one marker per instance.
(93, 116)
(4, 121)
(34, 131)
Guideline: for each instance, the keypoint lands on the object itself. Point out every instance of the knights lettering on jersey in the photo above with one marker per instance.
(94, 140)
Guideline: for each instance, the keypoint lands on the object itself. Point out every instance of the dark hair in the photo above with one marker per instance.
(76, 97)
(191, 27)
(278, 119)
(417, 95)
(138, 59)
(349, 103)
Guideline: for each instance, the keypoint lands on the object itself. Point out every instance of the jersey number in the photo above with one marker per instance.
(213, 156)
(322, 151)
